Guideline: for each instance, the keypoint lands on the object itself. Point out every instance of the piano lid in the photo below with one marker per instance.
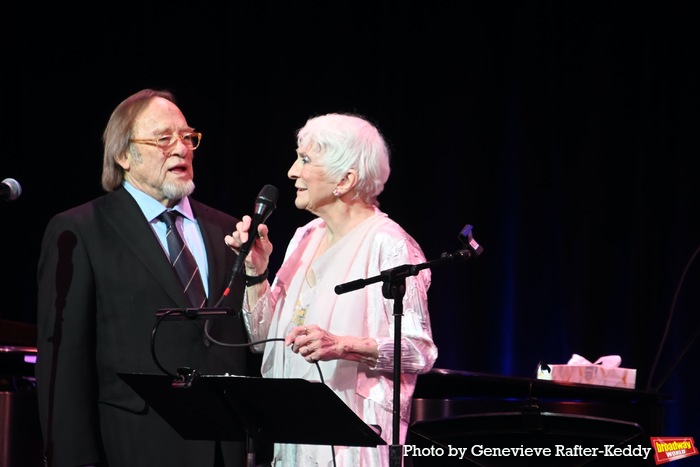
(446, 384)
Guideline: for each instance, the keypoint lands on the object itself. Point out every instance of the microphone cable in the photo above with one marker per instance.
(249, 344)
(182, 377)
(165, 371)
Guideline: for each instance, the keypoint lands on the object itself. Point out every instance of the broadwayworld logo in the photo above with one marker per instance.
(671, 449)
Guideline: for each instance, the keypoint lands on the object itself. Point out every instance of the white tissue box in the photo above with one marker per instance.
(589, 374)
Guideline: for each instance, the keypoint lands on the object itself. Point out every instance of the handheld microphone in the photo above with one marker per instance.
(10, 189)
(265, 203)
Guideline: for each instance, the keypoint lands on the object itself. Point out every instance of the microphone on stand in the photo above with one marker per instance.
(10, 189)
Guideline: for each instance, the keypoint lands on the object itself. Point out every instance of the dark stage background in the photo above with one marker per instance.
(566, 135)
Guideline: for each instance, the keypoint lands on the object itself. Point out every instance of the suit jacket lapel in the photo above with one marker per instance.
(214, 227)
(213, 237)
(128, 221)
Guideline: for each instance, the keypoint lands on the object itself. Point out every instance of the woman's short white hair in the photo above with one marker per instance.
(344, 142)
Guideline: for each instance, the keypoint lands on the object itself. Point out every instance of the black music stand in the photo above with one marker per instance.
(253, 409)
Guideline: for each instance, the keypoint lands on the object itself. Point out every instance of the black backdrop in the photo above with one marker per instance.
(566, 135)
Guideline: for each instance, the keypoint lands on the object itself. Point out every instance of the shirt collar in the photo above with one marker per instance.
(152, 208)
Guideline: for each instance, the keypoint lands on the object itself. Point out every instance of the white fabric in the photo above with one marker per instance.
(375, 245)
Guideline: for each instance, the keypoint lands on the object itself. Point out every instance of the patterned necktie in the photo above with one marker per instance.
(183, 262)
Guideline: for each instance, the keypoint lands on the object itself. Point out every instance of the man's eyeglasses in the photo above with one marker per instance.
(191, 140)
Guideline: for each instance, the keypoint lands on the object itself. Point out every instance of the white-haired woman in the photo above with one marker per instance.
(341, 167)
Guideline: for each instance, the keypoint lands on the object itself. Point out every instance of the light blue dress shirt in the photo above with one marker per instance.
(186, 225)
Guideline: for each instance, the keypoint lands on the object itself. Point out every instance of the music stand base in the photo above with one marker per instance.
(395, 455)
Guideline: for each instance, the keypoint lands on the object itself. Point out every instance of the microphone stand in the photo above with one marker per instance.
(394, 287)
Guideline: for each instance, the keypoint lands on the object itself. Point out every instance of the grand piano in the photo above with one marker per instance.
(461, 409)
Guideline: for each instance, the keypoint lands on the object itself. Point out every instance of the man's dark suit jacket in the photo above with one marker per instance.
(102, 276)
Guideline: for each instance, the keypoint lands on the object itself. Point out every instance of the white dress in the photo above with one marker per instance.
(375, 245)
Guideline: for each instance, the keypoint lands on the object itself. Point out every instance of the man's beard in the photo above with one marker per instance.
(178, 190)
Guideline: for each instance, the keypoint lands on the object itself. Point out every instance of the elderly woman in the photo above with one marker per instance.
(341, 167)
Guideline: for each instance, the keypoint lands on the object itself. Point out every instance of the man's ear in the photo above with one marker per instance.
(124, 160)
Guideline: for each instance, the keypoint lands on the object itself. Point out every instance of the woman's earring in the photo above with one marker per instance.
(336, 192)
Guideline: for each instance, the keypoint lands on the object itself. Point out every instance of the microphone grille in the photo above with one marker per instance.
(269, 195)
(15, 188)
